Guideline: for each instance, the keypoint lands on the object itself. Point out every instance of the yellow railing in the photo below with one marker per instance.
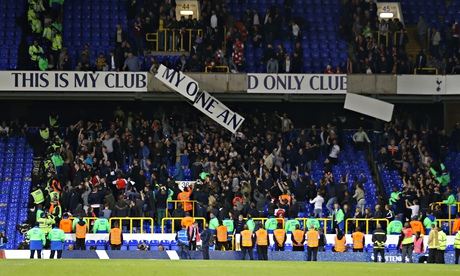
(183, 202)
(425, 69)
(357, 220)
(324, 221)
(450, 223)
(173, 220)
(449, 211)
(89, 221)
(173, 39)
(130, 220)
(217, 69)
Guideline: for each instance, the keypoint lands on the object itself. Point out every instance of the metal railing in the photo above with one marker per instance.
(323, 221)
(184, 205)
(449, 222)
(217, 69)
(173, 40)
(131, 220)
(449, 209)
(426, 71)
(358, 220)
(173, 222)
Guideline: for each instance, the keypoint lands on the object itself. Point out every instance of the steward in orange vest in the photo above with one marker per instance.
(66, 224)
(340, 243)
(279, 237)
(80, 235)
(312, 244)
(417, 226)
(298, 239)
(221, 237)
(185, 195)
(115, 237)
(247, 242)
(262, 242)
(358, 240)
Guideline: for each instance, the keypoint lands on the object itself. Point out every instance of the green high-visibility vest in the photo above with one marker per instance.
(251, 225)
(442, 239)
(57, 43)
(291, 225)
(45, 224)
(53, 121)
(36, 234)
(271, 224)
(229, 224)
(54, 196)
(56, 234)
(213, 223)
(57, 160)
(313, 222)
(45, 133)
(38, 196)
(101, 225)
(457, 240)
(427, 222)
(42, 64)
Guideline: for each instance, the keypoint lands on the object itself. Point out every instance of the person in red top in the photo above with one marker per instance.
(238, 53)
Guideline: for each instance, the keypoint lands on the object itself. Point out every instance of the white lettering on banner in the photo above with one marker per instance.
(297, 83)
(73, 81)
(421, 85)
(203, 101)
(183, 184)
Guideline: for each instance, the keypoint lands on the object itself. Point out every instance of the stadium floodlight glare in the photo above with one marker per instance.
(186, 12)
(386, 15)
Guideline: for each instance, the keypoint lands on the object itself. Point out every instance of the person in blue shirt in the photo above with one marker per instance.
(182, 241)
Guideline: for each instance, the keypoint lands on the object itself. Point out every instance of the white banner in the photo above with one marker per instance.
(203, 101)
(453, 85)
(183, 184)
(73, 81)
(297, 83)
(369, 106)
(421, 85)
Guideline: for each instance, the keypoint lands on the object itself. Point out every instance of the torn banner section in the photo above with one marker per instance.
(202, 100)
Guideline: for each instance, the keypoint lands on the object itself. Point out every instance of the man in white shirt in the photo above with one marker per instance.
(415, 208)
(360, 138)
(318, 201)
(333, 157)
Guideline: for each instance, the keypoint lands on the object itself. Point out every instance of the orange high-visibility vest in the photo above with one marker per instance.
(115, 236)
(246, 237)
(66, 225)
(187, 221)
(185, 196)
(456, 226)
(80, 231)
(299, 236)
(312, 238)
(221, 233)
(262, 237)
(339, 245)
(358, 240)
(280, 236)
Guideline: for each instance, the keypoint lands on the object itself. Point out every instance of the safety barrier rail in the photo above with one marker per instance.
(173, 222)
(184, 203)
(131, 220)
(323, 221)
(88, 220)
(216, 69)
(173, 39)
(449, 209)
(396, 36)
(357, 220)
(449, 222)
(426, 71)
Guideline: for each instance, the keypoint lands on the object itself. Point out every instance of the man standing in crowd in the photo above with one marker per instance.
(115, 237)
(312, 244)
(379, 237)
(57, 238)
(262, 242)
(406, 240)
(193, 235)
(279, 237)
(298, 239)
(247, 243)
(433, 244)
(206, 241)
(37, 241)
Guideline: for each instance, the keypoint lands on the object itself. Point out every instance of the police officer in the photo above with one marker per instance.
(262, 242)
(182, 241)
(379, 237)
(247, 242)
(37, 241)
(206, 241)
(457, 247)
(56, 237)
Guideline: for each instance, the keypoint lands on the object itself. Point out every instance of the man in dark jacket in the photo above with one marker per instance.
(379, 237)
(206, 241)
